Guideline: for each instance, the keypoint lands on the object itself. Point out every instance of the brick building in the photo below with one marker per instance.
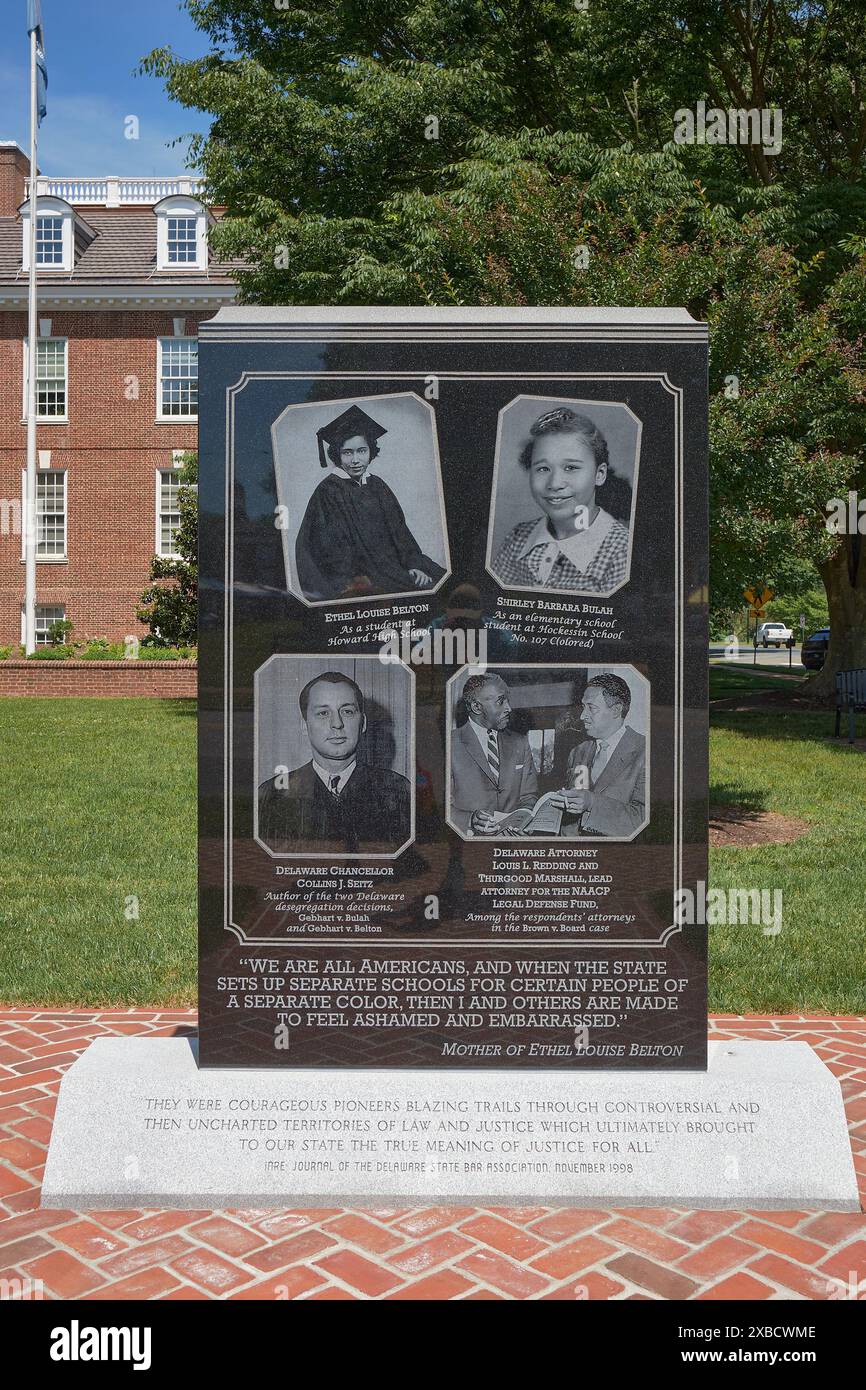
(124, 279)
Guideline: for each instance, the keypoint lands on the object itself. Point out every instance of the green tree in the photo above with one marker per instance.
(457, 152)
(812, 603)
(169, 605)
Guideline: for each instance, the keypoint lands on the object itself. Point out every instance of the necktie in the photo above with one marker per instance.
(493, 754)
(599, 761)
(333, 785)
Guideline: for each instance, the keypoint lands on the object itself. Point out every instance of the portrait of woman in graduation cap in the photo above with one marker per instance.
(354, 539)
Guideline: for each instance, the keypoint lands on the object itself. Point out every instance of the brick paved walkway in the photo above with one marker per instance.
(413, 1253)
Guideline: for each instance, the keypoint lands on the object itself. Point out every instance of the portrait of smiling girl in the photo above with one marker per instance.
(580, 542)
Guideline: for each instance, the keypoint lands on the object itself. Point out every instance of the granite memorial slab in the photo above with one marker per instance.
(141, 1125)
(452, 688)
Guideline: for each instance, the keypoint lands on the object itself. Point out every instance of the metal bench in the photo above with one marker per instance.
(850, 696)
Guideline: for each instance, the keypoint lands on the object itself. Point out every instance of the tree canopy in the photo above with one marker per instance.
(462, 152)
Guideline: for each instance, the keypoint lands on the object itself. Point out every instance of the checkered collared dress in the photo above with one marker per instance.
(605, 572)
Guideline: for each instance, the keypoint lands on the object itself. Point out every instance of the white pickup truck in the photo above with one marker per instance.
(775, 634)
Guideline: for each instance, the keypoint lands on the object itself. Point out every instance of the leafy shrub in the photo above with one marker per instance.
(60, 632)
(99, 649)
(167, 653)
(169, 605)
(59, 652)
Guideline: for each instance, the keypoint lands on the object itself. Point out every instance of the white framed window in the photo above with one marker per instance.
(51, 378)
(49, 240)
(181, 233)
(182, 240)
(167, 510)
(50, 513)
(54, 234)
(46, 614)
(177, 379)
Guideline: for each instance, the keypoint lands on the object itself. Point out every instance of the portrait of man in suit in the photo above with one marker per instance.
(337, 801)
(492, 771)
(606, 773)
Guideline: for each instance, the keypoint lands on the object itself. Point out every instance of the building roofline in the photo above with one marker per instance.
(119, 295)
(24, 210)
(116, 190)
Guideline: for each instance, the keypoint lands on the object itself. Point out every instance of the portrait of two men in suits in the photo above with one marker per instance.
(508, 777)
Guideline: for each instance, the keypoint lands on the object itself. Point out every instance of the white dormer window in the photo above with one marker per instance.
(182, 238)
(181, 234)
(49, 240)
(54, 234)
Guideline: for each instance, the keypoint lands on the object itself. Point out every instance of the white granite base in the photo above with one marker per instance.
(138, 1125)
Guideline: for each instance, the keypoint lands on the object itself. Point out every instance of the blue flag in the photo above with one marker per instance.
(34, 21)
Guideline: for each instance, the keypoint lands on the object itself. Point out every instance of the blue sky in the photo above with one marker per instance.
(93, 48)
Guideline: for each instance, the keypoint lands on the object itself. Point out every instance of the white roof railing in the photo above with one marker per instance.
(115, 192)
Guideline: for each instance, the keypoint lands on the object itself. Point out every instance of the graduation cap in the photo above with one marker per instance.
(352, 421)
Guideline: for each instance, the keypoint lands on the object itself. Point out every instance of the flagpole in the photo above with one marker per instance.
(30, 487)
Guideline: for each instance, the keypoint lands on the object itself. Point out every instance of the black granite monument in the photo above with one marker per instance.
(452, 688)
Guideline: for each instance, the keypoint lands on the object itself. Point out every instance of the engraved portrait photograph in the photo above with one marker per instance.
(564, 495)
(557, 752)
(335, 756)
(361, 503)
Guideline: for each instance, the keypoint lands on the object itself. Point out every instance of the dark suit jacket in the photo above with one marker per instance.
(472, 784)
(618, 799)
(372, 813)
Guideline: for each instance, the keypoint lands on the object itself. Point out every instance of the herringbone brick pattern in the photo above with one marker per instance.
(418, 1253)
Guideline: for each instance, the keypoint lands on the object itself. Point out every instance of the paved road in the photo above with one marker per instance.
(773, 656)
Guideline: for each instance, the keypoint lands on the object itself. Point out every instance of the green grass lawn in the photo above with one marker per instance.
(782, 762)
(99, 809)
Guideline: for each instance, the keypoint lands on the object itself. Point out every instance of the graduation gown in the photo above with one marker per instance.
(371, 814)
(354, 538)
